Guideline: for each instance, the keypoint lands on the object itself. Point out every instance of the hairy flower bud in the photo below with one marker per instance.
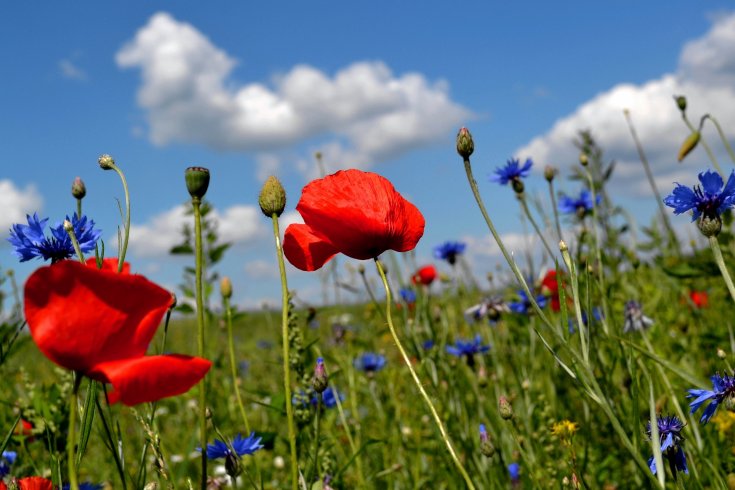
(225, 287)
(197, 181)
(68, 227)
(709, 226)
(320, 381)
(518, 186)
(486, 446)
(272, 197)
(78, 189)
(681, 102)
(505, 409)
(465, 145)
(106, 162)
(584, 160)
(550, 172)
(689, 144)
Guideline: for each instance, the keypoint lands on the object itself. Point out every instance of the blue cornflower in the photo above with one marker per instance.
(524, 305)
(723, 390)
(329, 399)
(29, 241)
(514, 470)
(428, 344)
(513, 171)
(408, 295)
(449, 251)
(710, 199)
(581, 206)
(370, 362)
(239, 446)
(489, 307)
(671, 440)
(635, 320)
(84, 486)
(596, 314)
(6, 461)
(468, 347)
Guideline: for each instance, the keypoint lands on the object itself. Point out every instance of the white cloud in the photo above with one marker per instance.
(16, 203)
(241, 225)
(189, 97)
(69, 70)
(261, 269)
(705, 75)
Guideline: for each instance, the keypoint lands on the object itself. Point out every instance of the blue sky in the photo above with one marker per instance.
(247, 89)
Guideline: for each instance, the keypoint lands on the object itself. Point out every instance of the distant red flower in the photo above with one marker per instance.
(699, 298)
(99, 323)
(352, 212)
(425, 275)
(31, 483)
(550, 284)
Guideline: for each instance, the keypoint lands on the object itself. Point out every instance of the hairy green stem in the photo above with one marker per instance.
(75, 242)
(286, 366)
(233, 367)
(126, 233)
(79, 208)
(556, 210)
(417, 380)
(315, 451)
(196, 202)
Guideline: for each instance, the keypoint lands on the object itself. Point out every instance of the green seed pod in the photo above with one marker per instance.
(465, 145)
(681, 102)
(272, 197)
(106, 162)
(197, 181)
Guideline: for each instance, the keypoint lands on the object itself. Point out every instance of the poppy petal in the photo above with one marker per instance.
(150, 378)
(361, 214)
(35, 483)
(80, 316)
(305, 249)
(109, 265)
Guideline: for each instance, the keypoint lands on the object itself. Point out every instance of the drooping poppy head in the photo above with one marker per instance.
(425, 275)
(359, 214)
(80, 316)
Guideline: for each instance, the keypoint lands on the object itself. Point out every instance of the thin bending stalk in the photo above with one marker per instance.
(200, 330)
(524, 205)
(416, 379)
(715, 245)
(556, 211)
(651, 181)
(286, 366)
(233, 368)
(722, 137)
(704, 145)
(126, 233)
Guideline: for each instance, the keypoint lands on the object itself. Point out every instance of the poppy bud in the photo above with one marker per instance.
(505, 409)
(681, 102)
(689, 144)
(584, 159)
(709, 226)
(465, 145)
(225, 287)
(320, 381)
(197, 181)
(550, 172)
(106, 162)
(78, 189)
(272, 197)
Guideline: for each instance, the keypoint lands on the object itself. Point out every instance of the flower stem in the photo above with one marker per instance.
(75, 243)
(715, 245)
(417, 380)
(126, 233)
(286, 366)
(233, 368)
(524, 205)
(196, 202)
(556, 210)
(71, 442)
(730, 152)
(315, 469)
(704, 145)
(79, 208)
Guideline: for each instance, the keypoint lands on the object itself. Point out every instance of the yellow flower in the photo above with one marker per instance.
(724, 420)
(564, 430)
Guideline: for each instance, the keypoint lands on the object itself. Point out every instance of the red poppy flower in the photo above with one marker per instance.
(31, 483)
(359, 214)
(99, 323)
(550, 284)
(425, 275)
(109, 264)
(699, 298)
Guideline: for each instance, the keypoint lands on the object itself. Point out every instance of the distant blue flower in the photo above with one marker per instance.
(428, 344)
(723, 389)
(581, 205)
(29, 241)
(670, 438)
(239, 446)
(512, 171)
(244, 367)
(264, 344)
(489, 307)
(84, 486)
(329, 399)
(370, 362)
(514, 470)
(6, 461)
(635, 320)
(524, 305)
(468, 348)
(710, 199)
(449, 251)
(408, 295)
(596, 314)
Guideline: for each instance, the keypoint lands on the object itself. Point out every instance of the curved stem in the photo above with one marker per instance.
(722, 137)
(200, 330)
(126, 233)
(715, 245)
(704, 145)
(72, 435)
(416, 379)
(233, 368)
(556, 210)
(286, 366)
(524, 205)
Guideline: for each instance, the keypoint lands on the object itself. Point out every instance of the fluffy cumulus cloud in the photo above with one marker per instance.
(705, 75)
(241, 225)
(16, 203)
(189, 97)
